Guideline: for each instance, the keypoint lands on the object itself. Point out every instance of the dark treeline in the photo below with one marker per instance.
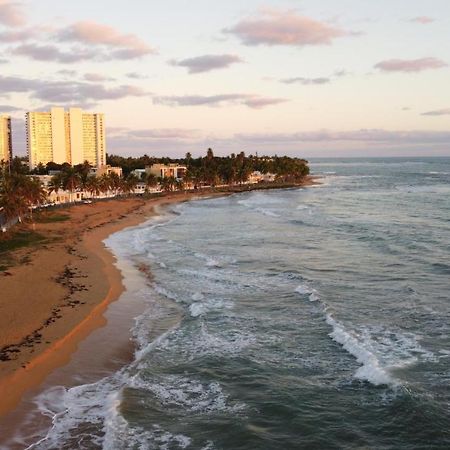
(210, 169)
(215, 170)
(19, 192)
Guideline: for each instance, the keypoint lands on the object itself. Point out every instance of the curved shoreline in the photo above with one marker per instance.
(29, 379)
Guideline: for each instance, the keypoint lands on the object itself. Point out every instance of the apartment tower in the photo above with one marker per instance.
(66, 137)
(5, 139)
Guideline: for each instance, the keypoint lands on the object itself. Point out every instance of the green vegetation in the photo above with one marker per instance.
(51, 218)
(18, 193)
(20, 239)
(212, 170)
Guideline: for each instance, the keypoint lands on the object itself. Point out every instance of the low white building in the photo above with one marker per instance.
(167, 170)
(139, 173)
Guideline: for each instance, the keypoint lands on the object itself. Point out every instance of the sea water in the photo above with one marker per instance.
(312, 318)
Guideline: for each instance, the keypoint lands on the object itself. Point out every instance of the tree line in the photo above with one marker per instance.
(19, 192)
(213, 170)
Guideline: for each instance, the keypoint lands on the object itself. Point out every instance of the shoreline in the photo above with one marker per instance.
(25, 376)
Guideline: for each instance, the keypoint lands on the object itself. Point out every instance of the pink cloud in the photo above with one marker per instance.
(17, 36)
(367, 136)
(424, 20)
(249, 100)
(11, 13)
(206, 63)
(125, 46)
(410, 65)
(437, 112)
(285, 28)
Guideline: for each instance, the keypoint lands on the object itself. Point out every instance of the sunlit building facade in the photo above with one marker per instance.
(5, 138)
(66, 137)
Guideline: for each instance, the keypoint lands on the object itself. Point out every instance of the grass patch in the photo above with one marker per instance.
(52, 218)
(20, 239)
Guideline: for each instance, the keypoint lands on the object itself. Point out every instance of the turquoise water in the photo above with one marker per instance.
(311, 318)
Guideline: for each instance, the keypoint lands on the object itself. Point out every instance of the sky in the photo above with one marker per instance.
(311, 78)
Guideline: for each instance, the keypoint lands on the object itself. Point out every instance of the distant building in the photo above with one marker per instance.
(5, 138)
(65, 137)
(108, 170)
(139, 173)
(167, 170)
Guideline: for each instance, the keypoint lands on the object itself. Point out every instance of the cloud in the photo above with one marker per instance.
(285, 28)
(67, 72)
(366, 136)
(162, 133)
(341, 73)
(262, 102)
(424, 20)
(72, 92)
(438, 112)
(97, 77)
(207, 63)
(11, 13)
(120, 46)
(10, 36)
(410, 65)
(53, 53)
(67, 91)
(252, 101)
(136, 76)
(306, 81)
(7, 109)
(15, 84)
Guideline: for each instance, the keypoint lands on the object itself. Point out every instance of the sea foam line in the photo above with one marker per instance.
(371, 369)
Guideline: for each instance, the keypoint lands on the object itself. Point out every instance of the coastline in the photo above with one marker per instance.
(89, 260)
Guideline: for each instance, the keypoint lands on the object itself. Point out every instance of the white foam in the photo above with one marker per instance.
(304, 289)
(198, 308)
(211, 262)
(187, 394)
(371, 370)
(197, 296)
(165, 293)
(267, 212)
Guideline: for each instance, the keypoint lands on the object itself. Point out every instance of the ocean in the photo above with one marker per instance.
(313, 318)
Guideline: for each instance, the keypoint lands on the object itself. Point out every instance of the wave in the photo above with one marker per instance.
(371, 369)
(198, 309)
(181, 392)
(259, 202)
(305, 289)
(380, 351)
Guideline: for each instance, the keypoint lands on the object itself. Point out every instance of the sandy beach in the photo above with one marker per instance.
(58, 296)
(59, 293)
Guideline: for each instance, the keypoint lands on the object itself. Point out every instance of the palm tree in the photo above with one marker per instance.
(104, 183)
(56, 182)
(150, 182)
(179, 184)
(115, 183)
(71, 181)
(12, 201)
(168, 183)
(33, 193)
(93, 186)
(130, 183)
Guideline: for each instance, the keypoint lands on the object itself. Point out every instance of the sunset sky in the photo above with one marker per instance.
(303, 78)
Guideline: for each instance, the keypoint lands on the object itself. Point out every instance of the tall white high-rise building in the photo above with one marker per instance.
(66, 137)
(5, 138)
